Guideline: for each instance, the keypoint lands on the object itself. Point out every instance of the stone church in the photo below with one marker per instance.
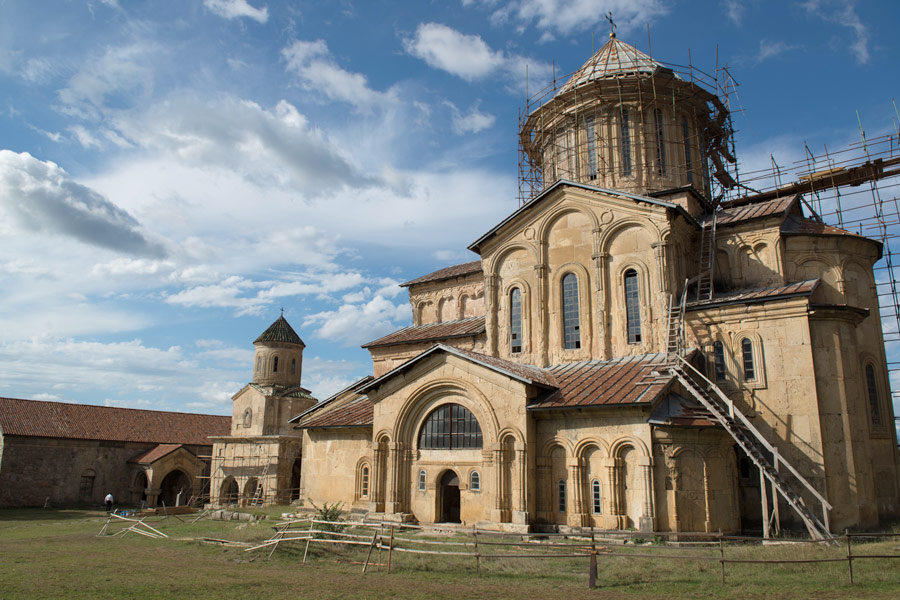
(629, 351)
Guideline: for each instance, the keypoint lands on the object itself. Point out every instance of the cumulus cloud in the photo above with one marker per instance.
(565, 17)
(236, 9)
(843, 12)
(472, 121)
(41, 197)
(316, 70)
(356, 324)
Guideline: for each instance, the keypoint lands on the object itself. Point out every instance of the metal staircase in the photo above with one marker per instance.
(675, 338)
(756, 448)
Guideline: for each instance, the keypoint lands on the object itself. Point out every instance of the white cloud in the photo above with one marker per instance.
(317, 71)
(236, 9)
(38, 196)
(565, 17)
(356, 324)
(85, 137)
(470, 122)
(769, 49)
(843, 12)
(734, 9)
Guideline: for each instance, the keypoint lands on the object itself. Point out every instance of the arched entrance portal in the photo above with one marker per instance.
(229, 492)
(139, 491)
(295, 480)
(174, 483)
(449, 496)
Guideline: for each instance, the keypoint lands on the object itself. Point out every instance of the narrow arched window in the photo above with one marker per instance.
(632, 307)
(660, 142)
(561, 495)
(688, 166)
(258, 363)
(719, 359)
(625, 134)
(596, 497)
(515, 321)
(422, 480)
(747, 352)
(364, 491)
(293, 366)
(275, 365)
(475, 481)
(591, 134)
(571, 328)
(450, 427)
(872, 387)
(248, 418)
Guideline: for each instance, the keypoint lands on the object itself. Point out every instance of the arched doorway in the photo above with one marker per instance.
(250, 490)
(295, 480)
(449, 497)
(174, 483)
(139, 491)
(229, 492)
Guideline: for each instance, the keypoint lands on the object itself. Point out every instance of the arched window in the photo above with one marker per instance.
(561, 495)
(247, 418)
(422, 480)
(872, 387)
(660, 142)
(632, 307)
(688, 166)
(293, 366)
(625, 133)
(449, 427)
(596, 497)
(571, 329)
(258, 363)
(364, 486)
(591, 146)
(515, 320)
(275, 365)
(747, 353)
(719, 360)
(475, 481)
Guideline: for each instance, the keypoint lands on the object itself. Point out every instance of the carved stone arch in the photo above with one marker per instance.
(504, 251)
(643, 272)
(586, 444)
(383, 437)
(854, 265)
(554, 215)
(419, 311)
(737, 352)
(429, 396)
(512, 432)
(607, 236)
(504, 310)
(632, 441)
(585, 301)
(555, 441)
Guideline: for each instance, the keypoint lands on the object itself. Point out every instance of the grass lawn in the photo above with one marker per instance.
(57, 554)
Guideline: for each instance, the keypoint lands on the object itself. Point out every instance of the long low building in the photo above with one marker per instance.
(76, 453)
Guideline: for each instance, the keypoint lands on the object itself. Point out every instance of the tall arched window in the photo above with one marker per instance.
(747, 352)
(591, 146)
(258, 363)
(449, 427)
(293, 366)
(364, 488)
(632, 307)
(625, 134)
(275, 365)
(422, 480)
(688, 166)
(515, 321)
(475, 481)
(248, 418)
(660, 142)
(719, 360)
(596, 498)
(571, 329)
(872, 387)
(561, 495)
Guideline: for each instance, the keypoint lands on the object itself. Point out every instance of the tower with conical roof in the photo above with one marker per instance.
(625, 121)
(278, 358)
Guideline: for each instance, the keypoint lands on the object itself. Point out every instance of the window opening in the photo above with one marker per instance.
(719, 359)
(275, 365)
(293, 365)
(591, 146)
(871, 384)
(571, 332)
(561, 495)
(660, 143)
(596, 497)
(422, 479)
(364, 492)
(626, 144)
(450, 427)
(515, 320)
(632, 307)
(475, 481)
(689, 167)
(747, 351)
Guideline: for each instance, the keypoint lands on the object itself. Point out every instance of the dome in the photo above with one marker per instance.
(615, 59)
(279, 331)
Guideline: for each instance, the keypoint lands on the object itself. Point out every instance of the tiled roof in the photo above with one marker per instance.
(800, 288)
(732, 214)
(280, 391)
(627, 380)
(676, 410)
(447, 273)
(802, 225)
(432, 332)
(354, 412)
(331, 399)
(154, 454)
(280, 331)
(614, 59)
(38, 418)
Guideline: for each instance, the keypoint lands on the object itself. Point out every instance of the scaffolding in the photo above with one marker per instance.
(257, 474)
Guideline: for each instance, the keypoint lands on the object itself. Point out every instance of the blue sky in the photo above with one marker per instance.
(173, 173)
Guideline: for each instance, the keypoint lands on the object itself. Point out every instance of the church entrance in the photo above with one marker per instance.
(449, 496)
(176, 488)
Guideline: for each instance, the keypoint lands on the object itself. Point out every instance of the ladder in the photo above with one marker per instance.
(675, 338)
(755, 447)
(257, 494)
(707, 260)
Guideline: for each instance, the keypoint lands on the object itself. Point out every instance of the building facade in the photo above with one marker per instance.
(628, 351)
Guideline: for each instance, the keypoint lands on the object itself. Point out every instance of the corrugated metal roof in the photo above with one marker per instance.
(280, 331)
(432, 332)
(621, 381)
(447, 273)
(800, 288)
(154, 454)
(38, 418)
(734, 214)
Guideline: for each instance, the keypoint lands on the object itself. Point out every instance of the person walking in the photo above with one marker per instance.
(109, 502)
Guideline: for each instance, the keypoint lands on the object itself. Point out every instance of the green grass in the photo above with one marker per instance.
(57, 554)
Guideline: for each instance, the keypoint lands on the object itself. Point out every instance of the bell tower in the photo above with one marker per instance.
(278, 359)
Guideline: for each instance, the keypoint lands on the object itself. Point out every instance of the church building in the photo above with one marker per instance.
(630, 350)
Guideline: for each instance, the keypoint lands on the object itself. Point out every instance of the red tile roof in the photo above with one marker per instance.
(432, 332)
(627, 380)
(447, 273)
(800, 288)
(357, 411)
(733, 214)
(37, 418)
(802, 225)
(154, 454)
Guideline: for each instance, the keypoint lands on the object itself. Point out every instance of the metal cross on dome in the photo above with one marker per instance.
(282, 311)
(612, 24)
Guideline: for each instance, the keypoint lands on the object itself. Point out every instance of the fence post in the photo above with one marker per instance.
(477, 555)
(308, 539)
(722, 555)
(849, 555)
(390, 550)
(592, 571)
(371, 547)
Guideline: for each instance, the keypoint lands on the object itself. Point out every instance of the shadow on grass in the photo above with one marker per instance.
(49, 514)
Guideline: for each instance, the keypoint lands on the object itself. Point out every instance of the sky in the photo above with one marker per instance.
(174, 173)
